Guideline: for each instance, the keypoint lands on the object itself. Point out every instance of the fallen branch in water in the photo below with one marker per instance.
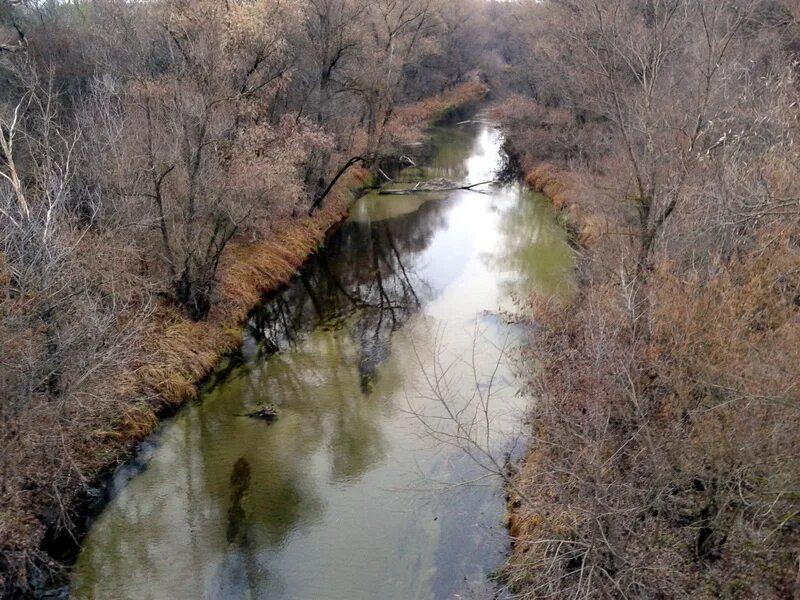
(434, 185)
(478, 121)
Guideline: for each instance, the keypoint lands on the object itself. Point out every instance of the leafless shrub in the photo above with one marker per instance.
(667, 393)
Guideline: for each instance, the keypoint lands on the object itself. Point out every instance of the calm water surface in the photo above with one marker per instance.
(359, 490)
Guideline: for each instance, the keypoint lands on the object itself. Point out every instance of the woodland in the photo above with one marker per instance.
(165, 163)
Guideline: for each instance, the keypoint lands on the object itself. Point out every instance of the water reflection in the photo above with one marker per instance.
(533, 249)
(326, 502)
(368, 278)
(239, 573)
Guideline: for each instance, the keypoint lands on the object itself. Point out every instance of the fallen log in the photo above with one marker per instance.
(434, 185)
(268, 412)
(319, 199)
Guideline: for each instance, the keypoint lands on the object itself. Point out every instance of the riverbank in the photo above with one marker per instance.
(42, 500)
(665, 408)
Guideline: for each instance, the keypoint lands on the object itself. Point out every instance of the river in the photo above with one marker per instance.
(364, 487)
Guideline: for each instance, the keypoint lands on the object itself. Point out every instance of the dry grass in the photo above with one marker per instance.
(403, 128)
(184, 352)
(565, 191)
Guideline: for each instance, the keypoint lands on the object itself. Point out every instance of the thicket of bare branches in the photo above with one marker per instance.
(667, 409)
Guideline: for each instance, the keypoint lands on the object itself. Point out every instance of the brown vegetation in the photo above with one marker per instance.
(157, 163)
(667, 411)
(166, 358)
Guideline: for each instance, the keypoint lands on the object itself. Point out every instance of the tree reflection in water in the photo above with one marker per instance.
(239, 574)
(367, 280)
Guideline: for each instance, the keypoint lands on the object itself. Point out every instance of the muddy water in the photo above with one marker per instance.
(364, 487)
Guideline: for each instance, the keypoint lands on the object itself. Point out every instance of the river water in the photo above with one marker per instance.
(390, 358)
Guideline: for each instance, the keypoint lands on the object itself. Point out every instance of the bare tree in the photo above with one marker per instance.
(657, 457)
(660, 72)
(75, 321)
(461, 406)
(199, 143)
(396, 32)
